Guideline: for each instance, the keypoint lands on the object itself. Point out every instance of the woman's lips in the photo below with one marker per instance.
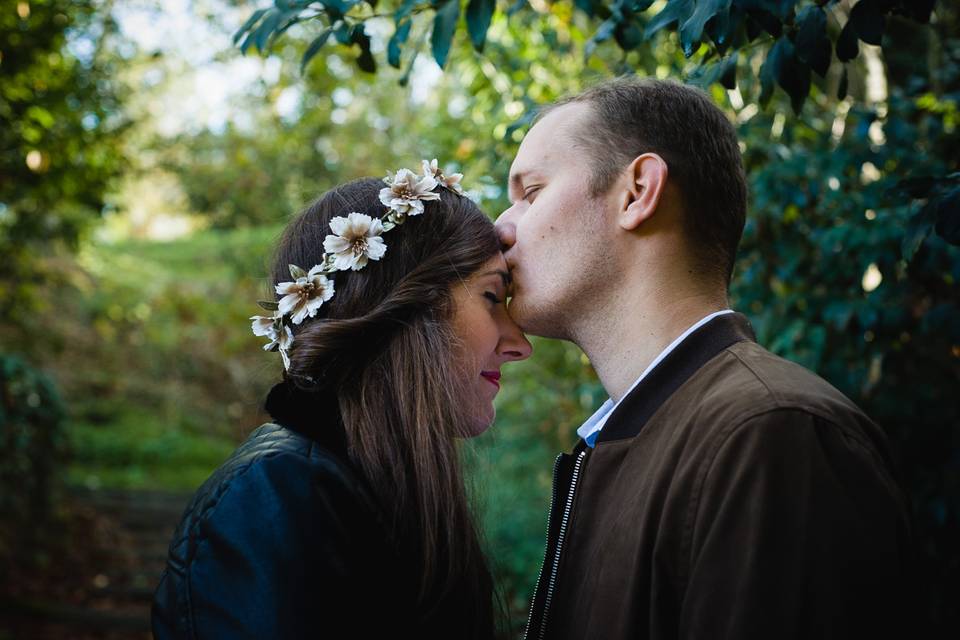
(492, 376)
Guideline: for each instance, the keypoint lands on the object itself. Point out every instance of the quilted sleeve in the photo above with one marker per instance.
(287, 544)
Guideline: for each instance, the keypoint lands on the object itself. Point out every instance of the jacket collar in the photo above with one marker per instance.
(696, 350)
(314, 414)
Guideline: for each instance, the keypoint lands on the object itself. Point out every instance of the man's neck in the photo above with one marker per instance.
(623, 340)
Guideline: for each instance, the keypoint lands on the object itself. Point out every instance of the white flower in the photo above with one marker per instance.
(451, 182)
(407, 191)
(281, 337)
(302, 298)
(283, 340)
(357, 239)
(268, 326)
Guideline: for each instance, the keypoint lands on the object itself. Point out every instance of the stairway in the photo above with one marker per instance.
(116, 598)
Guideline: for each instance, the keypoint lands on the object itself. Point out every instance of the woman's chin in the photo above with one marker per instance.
(480, 425)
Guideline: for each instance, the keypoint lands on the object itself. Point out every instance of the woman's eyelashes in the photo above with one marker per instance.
(492, 297)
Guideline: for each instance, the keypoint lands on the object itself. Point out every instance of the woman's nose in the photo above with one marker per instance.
(513, 344)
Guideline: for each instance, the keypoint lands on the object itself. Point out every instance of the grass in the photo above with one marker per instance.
(137, 449)
(177, 377)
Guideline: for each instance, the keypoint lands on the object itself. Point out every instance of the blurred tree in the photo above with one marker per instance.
(783, 42)
(840, 270)
(59, 130)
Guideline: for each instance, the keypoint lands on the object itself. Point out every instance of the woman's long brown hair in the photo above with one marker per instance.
(385, 345)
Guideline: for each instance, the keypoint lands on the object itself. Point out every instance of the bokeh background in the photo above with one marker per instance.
(151, 152)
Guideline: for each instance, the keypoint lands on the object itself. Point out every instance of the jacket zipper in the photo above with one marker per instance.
(560, 537)
(546, 549)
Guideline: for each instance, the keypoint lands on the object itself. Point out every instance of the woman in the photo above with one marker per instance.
(346, 516)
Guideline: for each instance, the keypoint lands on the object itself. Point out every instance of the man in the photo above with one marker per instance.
(721, 492)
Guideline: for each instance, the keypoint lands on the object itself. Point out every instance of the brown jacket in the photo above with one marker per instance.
(732, 494)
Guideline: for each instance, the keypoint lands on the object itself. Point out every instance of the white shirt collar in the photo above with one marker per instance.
(591, 428)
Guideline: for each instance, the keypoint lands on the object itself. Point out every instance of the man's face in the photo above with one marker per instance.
(554, 232)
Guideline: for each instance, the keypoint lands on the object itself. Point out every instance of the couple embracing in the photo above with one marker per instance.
(721, 491)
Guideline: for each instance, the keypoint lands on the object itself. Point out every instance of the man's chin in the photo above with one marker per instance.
(534, 319)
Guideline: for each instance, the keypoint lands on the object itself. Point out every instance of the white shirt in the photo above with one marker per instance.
(591, 428)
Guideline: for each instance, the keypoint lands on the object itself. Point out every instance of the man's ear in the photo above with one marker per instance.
(647, 176)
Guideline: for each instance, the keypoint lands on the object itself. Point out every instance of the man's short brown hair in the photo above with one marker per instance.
(633, 116)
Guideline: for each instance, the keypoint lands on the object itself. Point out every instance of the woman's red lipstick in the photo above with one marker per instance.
(492, 376)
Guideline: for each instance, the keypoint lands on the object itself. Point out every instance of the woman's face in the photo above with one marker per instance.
(488, 337)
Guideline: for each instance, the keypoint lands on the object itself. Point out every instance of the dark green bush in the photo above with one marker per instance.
(32, 449)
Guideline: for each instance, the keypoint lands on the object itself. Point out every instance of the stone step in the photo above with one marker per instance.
(134, 619)
(117, 597)
(129, 593)
(169, 505)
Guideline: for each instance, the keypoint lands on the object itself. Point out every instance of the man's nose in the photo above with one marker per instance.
(506, 230)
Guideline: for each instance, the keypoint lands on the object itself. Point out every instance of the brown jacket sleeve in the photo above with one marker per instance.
(798, 531)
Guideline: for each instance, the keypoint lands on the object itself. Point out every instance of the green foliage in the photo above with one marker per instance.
(152, 349)
(138, 447)
(839, 271)
(789, 39)
(239, 179)
(444, 26)
(800, 32)
(59, 131)
(31, 450)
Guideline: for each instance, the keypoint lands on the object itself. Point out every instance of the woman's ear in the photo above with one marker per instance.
(647, 176)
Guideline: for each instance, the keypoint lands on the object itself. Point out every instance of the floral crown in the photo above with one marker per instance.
(356, 239)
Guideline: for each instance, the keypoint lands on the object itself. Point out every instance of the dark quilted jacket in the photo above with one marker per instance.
(283, 541)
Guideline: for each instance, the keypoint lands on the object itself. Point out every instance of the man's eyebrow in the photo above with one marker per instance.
(516, 182)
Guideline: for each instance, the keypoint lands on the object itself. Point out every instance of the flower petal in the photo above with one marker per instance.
(264, 326)
(339, 225)
(376, 247)
(285, 339)
(343, 261)
(300, 312)
(425, 185)
(400, 206)
(285, 288)
(288, 303)
(313, 305)
(335, 244)
(359, 223)
(386, 196)
(328, 290)
(405, 176)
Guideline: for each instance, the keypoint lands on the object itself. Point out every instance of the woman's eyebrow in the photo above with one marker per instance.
(504, 275)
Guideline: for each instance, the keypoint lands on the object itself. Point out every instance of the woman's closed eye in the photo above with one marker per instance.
(492, 297)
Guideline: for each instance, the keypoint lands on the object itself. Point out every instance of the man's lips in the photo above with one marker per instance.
(492, 376)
